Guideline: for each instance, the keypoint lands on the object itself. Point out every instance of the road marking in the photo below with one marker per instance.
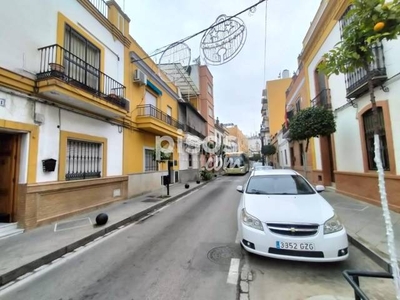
(237, 238)
(233, 275)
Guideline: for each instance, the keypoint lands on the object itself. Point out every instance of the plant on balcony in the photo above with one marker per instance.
(368, 22)
(311, 122)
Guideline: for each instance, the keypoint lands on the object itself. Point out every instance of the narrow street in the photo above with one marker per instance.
(186, 251)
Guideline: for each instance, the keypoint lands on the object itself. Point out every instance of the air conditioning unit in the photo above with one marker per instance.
(140, 77)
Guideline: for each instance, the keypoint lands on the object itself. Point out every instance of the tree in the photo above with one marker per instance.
(256, 157)
(268, 150)
(369, 22)
(311, 122)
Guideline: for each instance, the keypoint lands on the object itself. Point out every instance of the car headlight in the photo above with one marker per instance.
(333, 225)
(251, 221)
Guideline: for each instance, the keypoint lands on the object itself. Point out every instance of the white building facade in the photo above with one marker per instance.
(254, 145)
(346, 159)
(283, 151)
(61, 94)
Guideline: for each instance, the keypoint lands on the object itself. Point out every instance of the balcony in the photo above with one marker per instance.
(323, 99)
(152, 119)
(357, 81)
(264, 130)
(69, 79)
(285, 131)
(101, 6)
(189, 129)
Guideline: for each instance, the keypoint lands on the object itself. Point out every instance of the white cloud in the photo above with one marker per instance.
(239, 83)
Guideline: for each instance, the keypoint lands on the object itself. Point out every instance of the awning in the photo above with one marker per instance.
(154, 88)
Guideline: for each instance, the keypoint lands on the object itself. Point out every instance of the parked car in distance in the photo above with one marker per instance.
(258, 168)
(281, 215)
(255, 165)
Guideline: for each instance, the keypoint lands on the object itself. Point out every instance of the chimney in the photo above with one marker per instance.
(217, 121)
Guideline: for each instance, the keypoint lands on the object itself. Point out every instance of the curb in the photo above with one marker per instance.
(48, 258)
(379, 259)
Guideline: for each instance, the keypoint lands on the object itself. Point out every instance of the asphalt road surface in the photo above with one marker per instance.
(189, 250)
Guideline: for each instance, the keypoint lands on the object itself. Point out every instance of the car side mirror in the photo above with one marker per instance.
(239, 188)
(319, 188)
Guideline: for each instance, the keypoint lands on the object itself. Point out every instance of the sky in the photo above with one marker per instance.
(238, 84)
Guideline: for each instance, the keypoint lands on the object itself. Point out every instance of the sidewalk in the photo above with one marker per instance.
(24, 253)
(365, 226)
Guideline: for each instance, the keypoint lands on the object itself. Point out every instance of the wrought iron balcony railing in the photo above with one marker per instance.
(323, 99)
(58, 62)
(285, 129)
(149, 110)
(357, 81)
(101, 6)
(193, 131)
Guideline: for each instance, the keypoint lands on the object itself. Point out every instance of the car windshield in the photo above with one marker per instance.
(279, 185)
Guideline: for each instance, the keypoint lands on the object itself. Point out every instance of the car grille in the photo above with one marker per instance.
(314, 254)
(293, 229)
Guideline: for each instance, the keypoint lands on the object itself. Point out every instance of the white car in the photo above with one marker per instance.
(281, 215)
(255, 165)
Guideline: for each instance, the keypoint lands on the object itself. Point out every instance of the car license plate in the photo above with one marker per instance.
(295, 246)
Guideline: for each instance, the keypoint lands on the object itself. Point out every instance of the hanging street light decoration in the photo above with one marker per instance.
(221, 43)
(176, 60)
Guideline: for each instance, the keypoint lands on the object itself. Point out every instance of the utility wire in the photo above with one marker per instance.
(200, 32)
(265, 41)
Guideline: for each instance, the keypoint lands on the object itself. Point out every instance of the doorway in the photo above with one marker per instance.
(331, 158)
(9, 158)
(327, 158)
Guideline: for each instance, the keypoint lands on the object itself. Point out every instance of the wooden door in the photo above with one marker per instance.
(8, 173)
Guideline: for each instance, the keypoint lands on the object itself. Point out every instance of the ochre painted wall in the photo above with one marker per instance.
(276, 95)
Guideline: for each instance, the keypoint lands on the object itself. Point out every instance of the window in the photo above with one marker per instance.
(357, 81)
(369, 139)
(298, 102)
(190, 160)
(210, 89)
(121, 23)
(151, 105)
(150, 163)
(301, 154)
(84, 160)
(210, 112)
(286, 157)
(169, 115)
(279, 185)
(81, 60)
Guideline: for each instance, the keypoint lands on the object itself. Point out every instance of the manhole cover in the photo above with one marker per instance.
(151, 200)
(73, 224)
(223, 255)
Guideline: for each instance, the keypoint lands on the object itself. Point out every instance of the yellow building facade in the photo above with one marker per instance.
(242, 142)
(276, 97)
